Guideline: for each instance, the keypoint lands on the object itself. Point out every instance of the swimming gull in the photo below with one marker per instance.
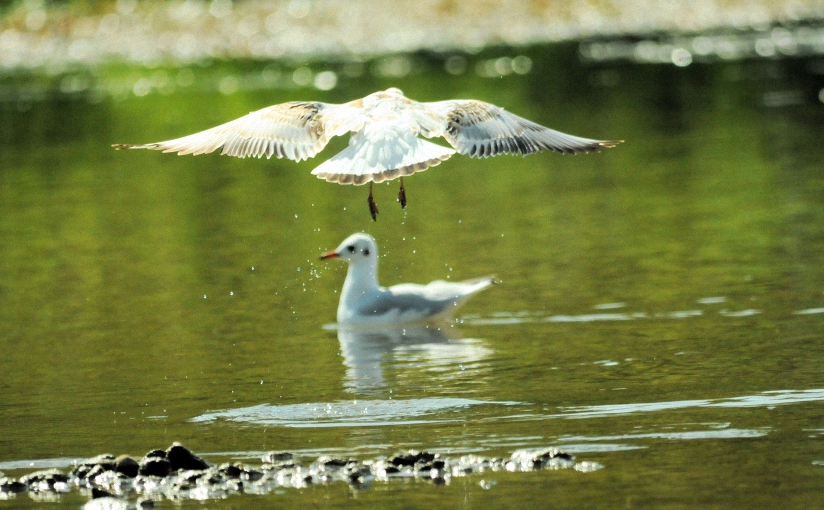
(384, 141)
(364, 302)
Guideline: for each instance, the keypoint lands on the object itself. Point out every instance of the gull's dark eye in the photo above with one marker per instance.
(366, 252)
(351, 248)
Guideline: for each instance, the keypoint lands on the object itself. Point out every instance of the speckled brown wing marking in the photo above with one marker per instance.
(294, 130)
(482, 130)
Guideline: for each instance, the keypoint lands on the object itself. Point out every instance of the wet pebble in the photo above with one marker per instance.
(46, 480)
(180, 457)
(275, 457)
(238, 470)
(154, 466)
(100, 493)
(11, 486)
(94, 466)
(528, 460)
(127, 466)
(161, 454)
(411, 458)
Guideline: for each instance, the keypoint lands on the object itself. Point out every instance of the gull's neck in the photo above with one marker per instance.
(361, 280)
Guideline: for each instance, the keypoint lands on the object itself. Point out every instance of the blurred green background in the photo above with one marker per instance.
(648, 286)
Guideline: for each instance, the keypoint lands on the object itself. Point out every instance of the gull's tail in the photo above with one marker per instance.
(381, 152)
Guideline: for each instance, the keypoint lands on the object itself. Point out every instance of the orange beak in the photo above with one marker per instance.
(329, 255)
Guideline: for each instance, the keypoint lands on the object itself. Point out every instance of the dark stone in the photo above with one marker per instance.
(233, 470)
(357, 472)
(181, 457)
(425, 456)
(100, 493)
(50, 476)
(239, 471)
(81, 471)
(274, 457)
(283, 464)
(389, 470)
(422, 466)
(127, 466)
(183, 485)
(327, 461)
(411, 458)
(96, 470)
(551, 454)
(154, 466)
(192, 476)
(105, 461)
(11, 486)
(145, 503)
(160, 454)
(402, 460)
(253, 475)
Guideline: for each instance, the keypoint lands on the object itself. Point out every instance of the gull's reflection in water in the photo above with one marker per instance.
(436, 352)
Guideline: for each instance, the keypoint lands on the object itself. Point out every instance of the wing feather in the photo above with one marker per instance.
(294, 130)
(482, 129)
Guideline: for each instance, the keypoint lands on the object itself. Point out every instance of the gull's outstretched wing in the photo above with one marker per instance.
(294, 130)
(482, 129)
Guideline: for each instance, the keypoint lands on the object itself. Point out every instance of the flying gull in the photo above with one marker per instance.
(384, 141)
(364, 302)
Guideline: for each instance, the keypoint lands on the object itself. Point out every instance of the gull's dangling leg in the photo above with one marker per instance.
(373, 207)
(402, 196)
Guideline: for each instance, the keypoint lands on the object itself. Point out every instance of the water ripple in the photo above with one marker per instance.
(526, 317)
(679, 436)
(353, 413)
(765, 399)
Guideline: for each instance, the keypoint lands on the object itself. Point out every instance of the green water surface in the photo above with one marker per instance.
(660, 310)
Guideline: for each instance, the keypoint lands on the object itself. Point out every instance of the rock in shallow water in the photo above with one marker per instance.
(103, 462)
(12, 486)
(181, 458)
(154, 466)
(46, 480)
(127, 466)
(122, 482)
(275, 457)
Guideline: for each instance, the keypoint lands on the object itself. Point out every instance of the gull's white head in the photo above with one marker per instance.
(356, 249)
(361, 252)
